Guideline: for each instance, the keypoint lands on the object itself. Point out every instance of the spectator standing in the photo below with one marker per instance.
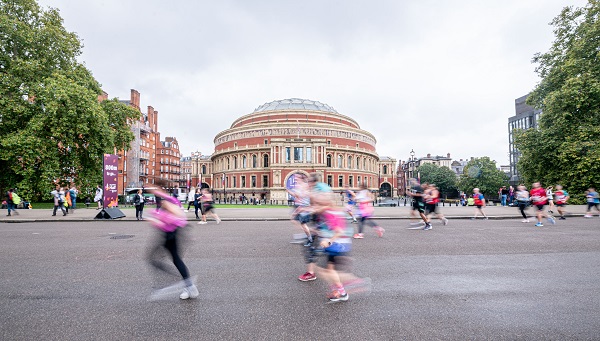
(138, 202)
(67, 200)
(73, 192)
(99, 197)
(503, 195)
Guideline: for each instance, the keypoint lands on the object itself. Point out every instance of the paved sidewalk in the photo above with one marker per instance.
(283, 213)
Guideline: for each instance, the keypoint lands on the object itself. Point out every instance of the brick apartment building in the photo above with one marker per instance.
(148, 158)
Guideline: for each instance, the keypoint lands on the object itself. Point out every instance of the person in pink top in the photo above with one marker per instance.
(168, 220)
(539, 200)
(365, 208)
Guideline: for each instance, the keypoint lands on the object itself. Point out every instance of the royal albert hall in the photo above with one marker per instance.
(259, 153)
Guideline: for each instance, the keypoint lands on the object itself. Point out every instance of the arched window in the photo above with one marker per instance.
(266, 160)
(357, 163)
(384, 169)
(254, 161)
(349, 165)
(235, 162)
(203, 169)
(228, 165)
(328, 160)
(364, 164)
(340, 161)
(244, 163)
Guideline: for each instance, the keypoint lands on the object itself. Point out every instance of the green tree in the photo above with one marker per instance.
(53, 129)
(443, 177)
(565, 148)
(482, 173)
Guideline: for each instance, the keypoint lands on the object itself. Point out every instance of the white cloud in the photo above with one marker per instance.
(436, 77)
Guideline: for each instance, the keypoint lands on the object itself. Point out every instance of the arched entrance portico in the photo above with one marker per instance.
(385, 190)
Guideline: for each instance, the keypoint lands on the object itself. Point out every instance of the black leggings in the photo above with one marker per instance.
(364, 220)
(171, 245)
(522, 207)
(139, 210)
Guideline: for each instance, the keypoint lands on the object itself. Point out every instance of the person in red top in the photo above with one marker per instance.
(432, 198)
(479, 201)
(539, 200)
(560, 200)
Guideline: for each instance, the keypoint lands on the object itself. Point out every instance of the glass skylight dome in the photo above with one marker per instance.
(295, 104)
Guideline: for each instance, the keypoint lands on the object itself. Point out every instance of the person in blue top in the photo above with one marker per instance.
(593, 200)
(350, 202)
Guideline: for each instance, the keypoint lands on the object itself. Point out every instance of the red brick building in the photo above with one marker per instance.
(148, 158)
(168, 165)
(260, 151)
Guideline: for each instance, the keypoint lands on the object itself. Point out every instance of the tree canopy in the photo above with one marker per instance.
(565, 149)
(482, 173)
(443, 177)
(53, 128)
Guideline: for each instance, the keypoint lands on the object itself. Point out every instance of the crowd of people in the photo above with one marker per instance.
(555, 198)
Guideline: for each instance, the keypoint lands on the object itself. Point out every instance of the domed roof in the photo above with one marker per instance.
(295, 104)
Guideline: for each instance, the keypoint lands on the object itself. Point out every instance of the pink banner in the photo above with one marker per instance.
(111, 174)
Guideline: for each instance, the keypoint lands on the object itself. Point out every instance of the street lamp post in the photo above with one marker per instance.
(379, 183)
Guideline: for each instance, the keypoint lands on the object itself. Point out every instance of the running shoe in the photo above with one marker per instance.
(189, 292)
(427, 227)
(551, 220)
(202, 223)
(307, 277)
(359, 235)
(525, 221)
(379, 230)
(562, 218)
(588, 216)
(186, 211)
(539, 224)
(335, 296)
(218, 221)
(445, 221)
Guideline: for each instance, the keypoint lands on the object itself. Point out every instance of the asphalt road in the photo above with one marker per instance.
(470, 280)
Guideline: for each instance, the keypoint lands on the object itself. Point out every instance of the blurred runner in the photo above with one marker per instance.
(366, 209)
(168, 220)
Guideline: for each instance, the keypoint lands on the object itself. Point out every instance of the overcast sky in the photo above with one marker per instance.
(434, 76)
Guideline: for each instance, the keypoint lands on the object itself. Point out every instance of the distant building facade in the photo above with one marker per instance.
(168, 166)
(458, 166)
(410, 168)
(141, 165)
(526, 117)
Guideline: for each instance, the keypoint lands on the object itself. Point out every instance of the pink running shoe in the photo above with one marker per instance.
(359, 236)
(336, 296)
(379, 231)
(307, 277)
